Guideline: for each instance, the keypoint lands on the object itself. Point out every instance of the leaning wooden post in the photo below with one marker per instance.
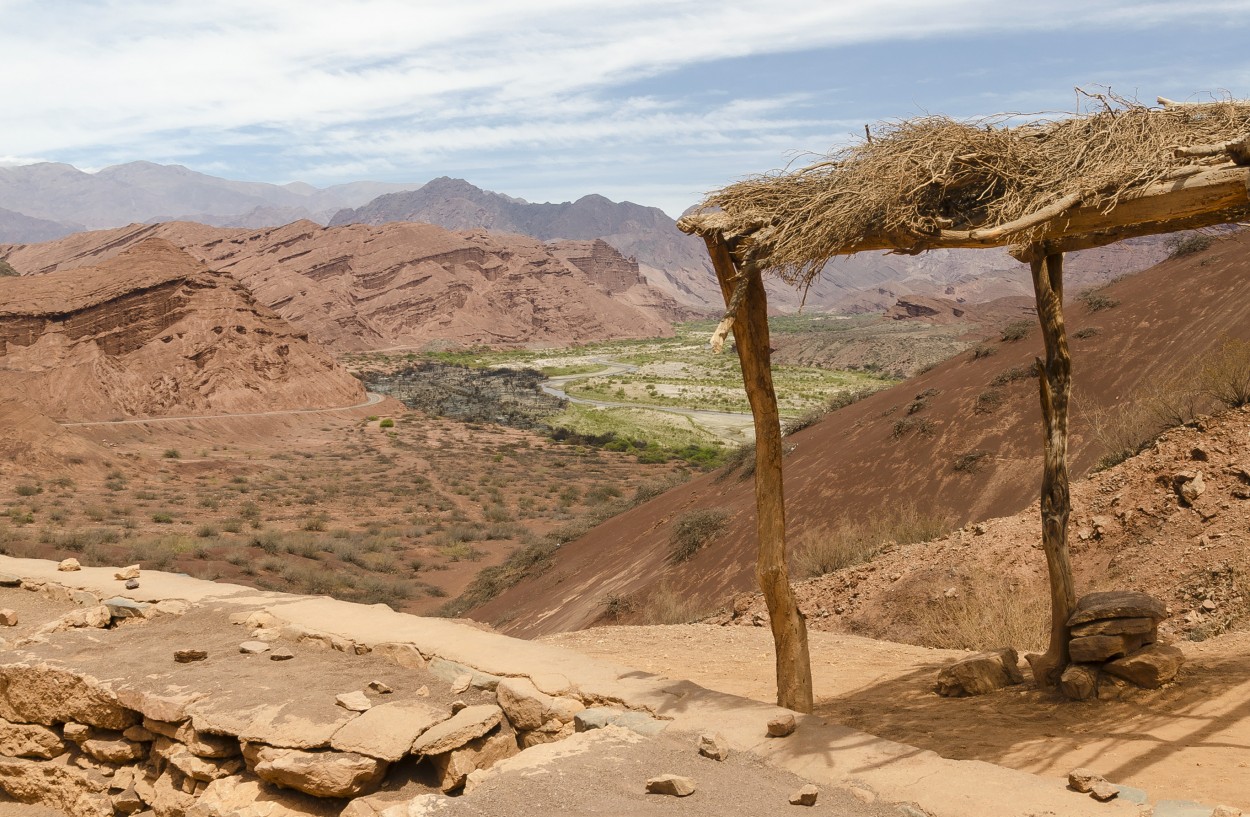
(750, 328)
(1055, 378)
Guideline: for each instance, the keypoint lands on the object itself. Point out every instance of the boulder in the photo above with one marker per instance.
(1117, 604)
(122, 607)
(68, 790)
(248, 797)
(467, 724)
(454, 767)
(671, 784)
(979, 674)
(1083, 779)
(405, 655)
(1117, 626)
(114, 749)
(321, 774)
(527, 708)
(805, 796)
(198, 768)
(45, 694)
(387, 731)
(68, 565)
(29, 740)
(8, 618)
(127, 573)
(1079, 681)
(1150, 667)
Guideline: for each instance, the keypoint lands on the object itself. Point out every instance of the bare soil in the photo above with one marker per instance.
(1190, 740)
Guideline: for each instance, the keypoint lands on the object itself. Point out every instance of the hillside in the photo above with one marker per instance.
(153, 332)
(959, 441)
(399, 285)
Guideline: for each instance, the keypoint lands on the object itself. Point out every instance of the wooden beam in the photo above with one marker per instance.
(750, 328)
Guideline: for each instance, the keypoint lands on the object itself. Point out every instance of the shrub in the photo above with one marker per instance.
(988, 611)
(1187, 244)
(171, 454)
(1095, 301)
(7, 271)
(907, 425)
(826, 549)
(968, 462)
(163, 518)
(693, 530)
(987, 401)
(1013, 374)
(983, 350)
(27, 489)
(667, 606)
(616, 606)
(386, 423)
(1086, 332)
(1226, 373)
(1017, 330)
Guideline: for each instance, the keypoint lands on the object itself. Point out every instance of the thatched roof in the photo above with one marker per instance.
(937, 182)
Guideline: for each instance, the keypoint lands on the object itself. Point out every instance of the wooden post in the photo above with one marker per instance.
(750, 328)
(1055, 379)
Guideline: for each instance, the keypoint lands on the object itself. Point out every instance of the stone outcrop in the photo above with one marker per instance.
(154, 332)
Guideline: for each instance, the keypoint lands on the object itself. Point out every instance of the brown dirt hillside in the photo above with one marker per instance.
(153, 332)
(358, 287)
(902, 447)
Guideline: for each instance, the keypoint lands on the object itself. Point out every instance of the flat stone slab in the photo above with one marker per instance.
(467, 724)
(387, 731)
(1117, 604)
(1150, 667)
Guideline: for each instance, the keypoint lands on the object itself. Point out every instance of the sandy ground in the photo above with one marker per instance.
(1190, 740)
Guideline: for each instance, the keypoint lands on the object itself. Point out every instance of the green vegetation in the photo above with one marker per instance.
(7, 271)
(1185, 244)
(693, 530)
(1017, 330)
(1095, 301)
(387, 422)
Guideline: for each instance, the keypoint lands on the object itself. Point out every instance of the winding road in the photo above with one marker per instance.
(733, 426)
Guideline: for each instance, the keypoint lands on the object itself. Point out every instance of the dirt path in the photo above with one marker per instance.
(373, 399)
(1188, 741)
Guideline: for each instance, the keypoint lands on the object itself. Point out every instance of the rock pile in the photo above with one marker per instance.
(1113, 642)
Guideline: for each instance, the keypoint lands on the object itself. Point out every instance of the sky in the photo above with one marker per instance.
(651, 101)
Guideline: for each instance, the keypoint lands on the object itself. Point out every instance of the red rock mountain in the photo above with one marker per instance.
(902, 446)
(154, 332)
(403, 285)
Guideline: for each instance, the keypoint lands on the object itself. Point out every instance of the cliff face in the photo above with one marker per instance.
(407, 284)
(153, 332)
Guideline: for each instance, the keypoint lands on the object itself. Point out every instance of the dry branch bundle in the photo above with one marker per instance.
(913, 179)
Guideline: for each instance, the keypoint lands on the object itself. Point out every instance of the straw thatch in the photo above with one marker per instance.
(911, 183)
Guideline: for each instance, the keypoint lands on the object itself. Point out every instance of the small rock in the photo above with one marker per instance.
(353, 701)
(1150, 667)
(127, 802)
(127, 573)
(1208, 606)
(76, 732)
(457, 706)
(1189, 486)
(671, 784)
(1079, 681)
(121, 607)
(9, 580)
(805, 796)
(380, 687)
(424, 691)
(69, 565)
(281, 654)
(1083, 780)
(782, 726)
(713, 745)
(1102, 791)
(132, 584)
(863, 795)
(1226, 811)
(8, 618)
(187, 656)
(138, 734)
(461, 683)
(253, 647)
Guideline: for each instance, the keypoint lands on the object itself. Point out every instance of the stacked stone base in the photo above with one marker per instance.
(1114, 646)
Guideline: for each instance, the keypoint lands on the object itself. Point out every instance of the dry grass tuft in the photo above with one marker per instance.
(988, 611)
(828, 548)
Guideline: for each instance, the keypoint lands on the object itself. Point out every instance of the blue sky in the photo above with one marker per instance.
(651, 101)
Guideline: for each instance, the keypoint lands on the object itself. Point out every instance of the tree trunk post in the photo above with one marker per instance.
(750, 329)
(1055, 380)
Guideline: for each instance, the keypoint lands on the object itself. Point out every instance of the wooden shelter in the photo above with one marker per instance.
(1042, 189)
